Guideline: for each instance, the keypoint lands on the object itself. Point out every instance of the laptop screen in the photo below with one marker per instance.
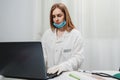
(22, 60)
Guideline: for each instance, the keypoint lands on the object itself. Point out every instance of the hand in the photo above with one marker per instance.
(56, 69)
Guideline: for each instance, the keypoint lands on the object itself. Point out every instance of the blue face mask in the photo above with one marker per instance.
(62, 24)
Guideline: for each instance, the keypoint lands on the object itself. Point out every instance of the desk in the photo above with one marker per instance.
(81, 75)
(85, 76)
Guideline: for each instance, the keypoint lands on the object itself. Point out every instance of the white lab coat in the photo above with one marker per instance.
(66, 50)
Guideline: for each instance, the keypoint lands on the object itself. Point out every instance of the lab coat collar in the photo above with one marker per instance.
(59, 40)
(65, 34)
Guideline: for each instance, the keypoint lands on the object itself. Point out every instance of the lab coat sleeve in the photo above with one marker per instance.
(77, 58)
(44, 44)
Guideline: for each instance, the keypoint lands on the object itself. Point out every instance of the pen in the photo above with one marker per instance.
(74, 76)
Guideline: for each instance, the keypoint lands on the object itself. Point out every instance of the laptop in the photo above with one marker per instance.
(23, 60)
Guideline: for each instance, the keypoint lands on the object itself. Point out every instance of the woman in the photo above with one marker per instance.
(62, 44)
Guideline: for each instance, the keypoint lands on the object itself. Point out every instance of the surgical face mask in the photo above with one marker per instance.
(62, 24)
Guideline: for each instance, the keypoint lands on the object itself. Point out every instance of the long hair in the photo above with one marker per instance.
(69, 25)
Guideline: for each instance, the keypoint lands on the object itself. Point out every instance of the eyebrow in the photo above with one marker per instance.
(57, 14)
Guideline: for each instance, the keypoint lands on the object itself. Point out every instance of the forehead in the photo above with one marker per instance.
(57, 11)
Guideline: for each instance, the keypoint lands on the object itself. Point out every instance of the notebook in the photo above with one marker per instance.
(22, 60)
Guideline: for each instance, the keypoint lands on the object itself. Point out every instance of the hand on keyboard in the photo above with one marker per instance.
(56, 70)
(51, 75)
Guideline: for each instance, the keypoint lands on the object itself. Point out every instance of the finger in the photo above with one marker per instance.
(55, 70)
(52, 70)
(49, 70)
(59, 72)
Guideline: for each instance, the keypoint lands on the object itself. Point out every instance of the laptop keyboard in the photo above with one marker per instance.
(49, 76)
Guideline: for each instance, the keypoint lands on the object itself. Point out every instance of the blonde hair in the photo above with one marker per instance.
(69, 25)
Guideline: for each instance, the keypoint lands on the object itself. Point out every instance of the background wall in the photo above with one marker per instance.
(101, 30)
(98, 21)
(16, 20)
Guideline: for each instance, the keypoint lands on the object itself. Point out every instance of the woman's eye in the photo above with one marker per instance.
(59, 15)
(53, 16)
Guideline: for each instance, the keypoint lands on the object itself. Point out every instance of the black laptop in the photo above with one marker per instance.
(22, 60)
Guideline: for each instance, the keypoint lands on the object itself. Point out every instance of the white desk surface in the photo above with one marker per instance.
(81, 75)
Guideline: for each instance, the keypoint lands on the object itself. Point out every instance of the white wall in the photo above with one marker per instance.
(17, 20)
(101, 30)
